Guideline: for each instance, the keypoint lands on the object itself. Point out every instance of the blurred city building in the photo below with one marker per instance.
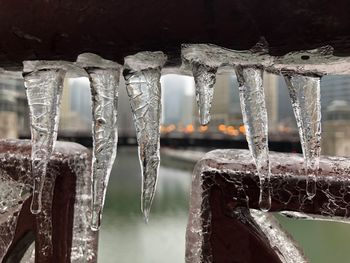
(180, 111)
(178, 100)
(14, 117)
(75, 113)
(334, 88)
(75, 118)
(286, 120)
(271, 93)
(335, 102)
(336, 129)
(226, 107)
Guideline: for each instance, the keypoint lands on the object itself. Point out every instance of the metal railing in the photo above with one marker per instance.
(224, 222)
(61, 232)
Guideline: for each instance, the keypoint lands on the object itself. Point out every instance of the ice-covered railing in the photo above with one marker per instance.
(302, 71)
(62, 230)
(225, 186)
(142, 71)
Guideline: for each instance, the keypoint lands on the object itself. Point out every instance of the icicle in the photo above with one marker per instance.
(204, 77)
(104, 81)
(44, 88)
(142, 75)
(254, 113)
(304, 93)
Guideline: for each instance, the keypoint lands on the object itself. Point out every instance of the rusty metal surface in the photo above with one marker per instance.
(39, 29)
(53, 227)
(225, 180)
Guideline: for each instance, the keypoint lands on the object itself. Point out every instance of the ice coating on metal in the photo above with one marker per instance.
(142, 75)
(78, 160)
(104, 92)
(303, 216)
(252, 99)
(7, 231)
(43, 219)
(204, 78)
(91, 60)
(215, 56)
(29, 255)
(145, 60)
(23, 178)
(305, 96)
(12, 195)
(278, 239)
(319, 61)
(84, 247)
(43, 88)
(71, 69)
(234, 173)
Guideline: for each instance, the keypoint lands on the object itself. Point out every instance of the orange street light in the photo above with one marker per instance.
(242, 129)
(203, 128)
(222, 127)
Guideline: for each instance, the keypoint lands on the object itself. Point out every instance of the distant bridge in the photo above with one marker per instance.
(287, 143)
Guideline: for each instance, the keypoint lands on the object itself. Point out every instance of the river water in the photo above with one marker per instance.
(125, 238)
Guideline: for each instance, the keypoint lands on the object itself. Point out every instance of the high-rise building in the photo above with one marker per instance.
(178, 99)
(271, 97)
(13, 109)
(285, 110)
(226, 106)
(8, 113)
(334, 88)
(336, 129)
(75, 112)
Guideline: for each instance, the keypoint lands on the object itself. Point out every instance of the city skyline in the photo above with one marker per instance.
(179, 105)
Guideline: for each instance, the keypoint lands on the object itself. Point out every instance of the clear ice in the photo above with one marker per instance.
(278, 239)
(304, 216)
(252, 98)
(12, 196)
(304, 93)
(204, 77)
(220, 57)
(104, 81)
(142, 73)
(43, 88)
(84, 238)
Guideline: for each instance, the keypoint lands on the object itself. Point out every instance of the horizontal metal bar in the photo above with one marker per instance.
(61, 30)
(228, 178)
